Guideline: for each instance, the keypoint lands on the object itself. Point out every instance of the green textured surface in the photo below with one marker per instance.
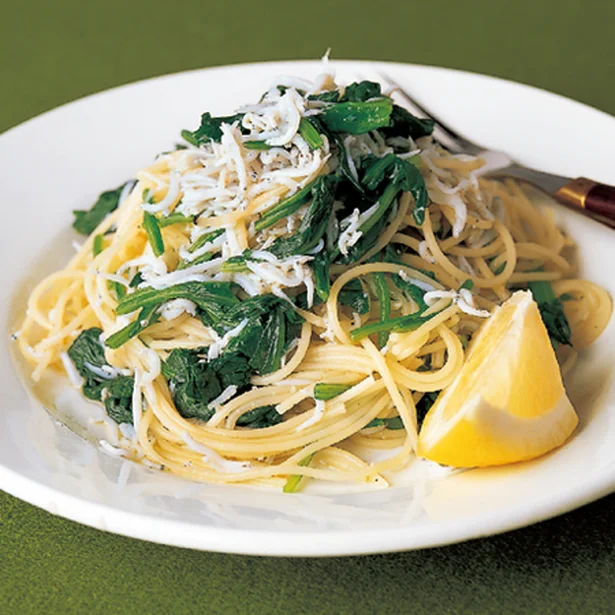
(52, 51)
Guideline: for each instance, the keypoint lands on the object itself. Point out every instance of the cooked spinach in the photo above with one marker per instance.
(320, 270)
(314, 223)
(552, 313)
(401, 323)
(97, 244)
(384, 302)
(392, 423)
(353, 296)
(404, 124)
(412, 290)
(356, 118)
(213, 298)
(330, 96)
(424, 405)
(324, 391)
(310, 134)
(209, 130)
(259, 145)
(257, 349)
(86, 352)
(260, 418)
(396, 173)
(192, 382)
(87, 220)
(361, 91)
(286, 207)
(293, 481)
(175, 219)
(154, 236)
(147, 317)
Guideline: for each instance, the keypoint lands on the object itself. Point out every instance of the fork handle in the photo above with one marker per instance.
(593, 197)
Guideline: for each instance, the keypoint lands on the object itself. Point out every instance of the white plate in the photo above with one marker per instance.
(63, 159)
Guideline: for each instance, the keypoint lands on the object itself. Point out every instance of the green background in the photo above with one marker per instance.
(53, 51)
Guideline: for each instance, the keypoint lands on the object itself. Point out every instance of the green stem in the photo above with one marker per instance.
(292, 484)
(393, 423)
(384, 202)
(206, 238)
(401, 323)
(260, 145)
(324, 391)
(309, 133)
(175, 219)
(147, 317)
(384, 298)
(154, 236)
(199, 292)
(285, 207)
(97, 246)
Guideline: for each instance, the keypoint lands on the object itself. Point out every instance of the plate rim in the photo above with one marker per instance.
(311, 543)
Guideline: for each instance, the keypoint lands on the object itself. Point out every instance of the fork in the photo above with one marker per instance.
(580, 192)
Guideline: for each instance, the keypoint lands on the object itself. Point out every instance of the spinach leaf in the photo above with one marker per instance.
(233, 369)
(331, 96)
(383, 180)
(118, 399)
(394, 423)
(136, 280)
(87, 349)
(88, 356)
(213, 298)
(286, 207)
(552, 313)
(192, 382)
(353, 296)
(87, 220)
(260, 418)
(344, 168)
(199, 260)
(320, 270)
(357, 118)
(310, 134)
(361, 91)
(120, 289)
(384, 301)
(424, 405)
(205, 239)
(209, 130)
(393, 171)
(314, 223)
(147, 317)
(267, 355)
(412, 290)
(272, 325)
(404, 124)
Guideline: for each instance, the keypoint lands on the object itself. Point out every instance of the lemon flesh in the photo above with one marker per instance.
(508, 402)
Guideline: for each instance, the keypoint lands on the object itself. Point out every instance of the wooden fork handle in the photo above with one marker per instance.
(594, 197)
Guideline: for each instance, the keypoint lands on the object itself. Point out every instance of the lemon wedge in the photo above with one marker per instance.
(508, 402)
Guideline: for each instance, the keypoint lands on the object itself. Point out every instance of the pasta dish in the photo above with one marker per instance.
(287, 294)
